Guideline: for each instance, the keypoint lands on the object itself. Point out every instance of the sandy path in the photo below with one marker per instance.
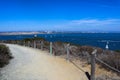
(33, 64)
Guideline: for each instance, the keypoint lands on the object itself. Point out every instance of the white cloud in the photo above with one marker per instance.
(91, 24)
(72, 25)
(95, 22)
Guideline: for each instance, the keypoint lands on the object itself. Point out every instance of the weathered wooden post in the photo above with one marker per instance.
(93, 65)
(68, 52)
(41, 45)
(24, 43)
(34, 44)
(28, 43)
(51, 48)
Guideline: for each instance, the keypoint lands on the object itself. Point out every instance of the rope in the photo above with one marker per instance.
(107, 65)
(77, 66)
(75, 55)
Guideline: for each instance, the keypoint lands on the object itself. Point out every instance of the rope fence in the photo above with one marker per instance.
(92, 57)
(110, 67)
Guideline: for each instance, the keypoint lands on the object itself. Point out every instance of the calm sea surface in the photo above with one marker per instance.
(92, 39)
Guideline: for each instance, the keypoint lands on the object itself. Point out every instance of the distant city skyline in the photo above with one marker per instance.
(60, 15)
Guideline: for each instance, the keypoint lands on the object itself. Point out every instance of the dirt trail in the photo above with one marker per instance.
(33, 64)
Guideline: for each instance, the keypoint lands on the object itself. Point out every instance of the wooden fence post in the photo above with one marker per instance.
(24, 43)
(93, 65)
(68, 52)
(51, 48)
(29, 45)
(41, 45)
(34, 44)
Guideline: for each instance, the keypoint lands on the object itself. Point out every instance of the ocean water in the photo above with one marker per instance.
(92, 39)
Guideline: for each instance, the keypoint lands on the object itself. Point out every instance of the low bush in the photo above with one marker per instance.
(5, 55)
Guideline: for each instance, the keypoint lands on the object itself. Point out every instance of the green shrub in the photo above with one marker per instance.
(5, 55)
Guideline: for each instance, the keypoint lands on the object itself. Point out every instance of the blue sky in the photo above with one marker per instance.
(60, 15)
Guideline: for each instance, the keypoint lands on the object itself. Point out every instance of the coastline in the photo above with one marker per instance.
(48, 32)
(78, 54)
(20, 33)
(91, 39)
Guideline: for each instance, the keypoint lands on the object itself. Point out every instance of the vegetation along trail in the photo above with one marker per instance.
(33, 64)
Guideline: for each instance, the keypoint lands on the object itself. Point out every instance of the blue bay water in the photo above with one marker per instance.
(92, 39)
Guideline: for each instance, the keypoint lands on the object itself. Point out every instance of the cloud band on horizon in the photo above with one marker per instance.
(62, 25)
